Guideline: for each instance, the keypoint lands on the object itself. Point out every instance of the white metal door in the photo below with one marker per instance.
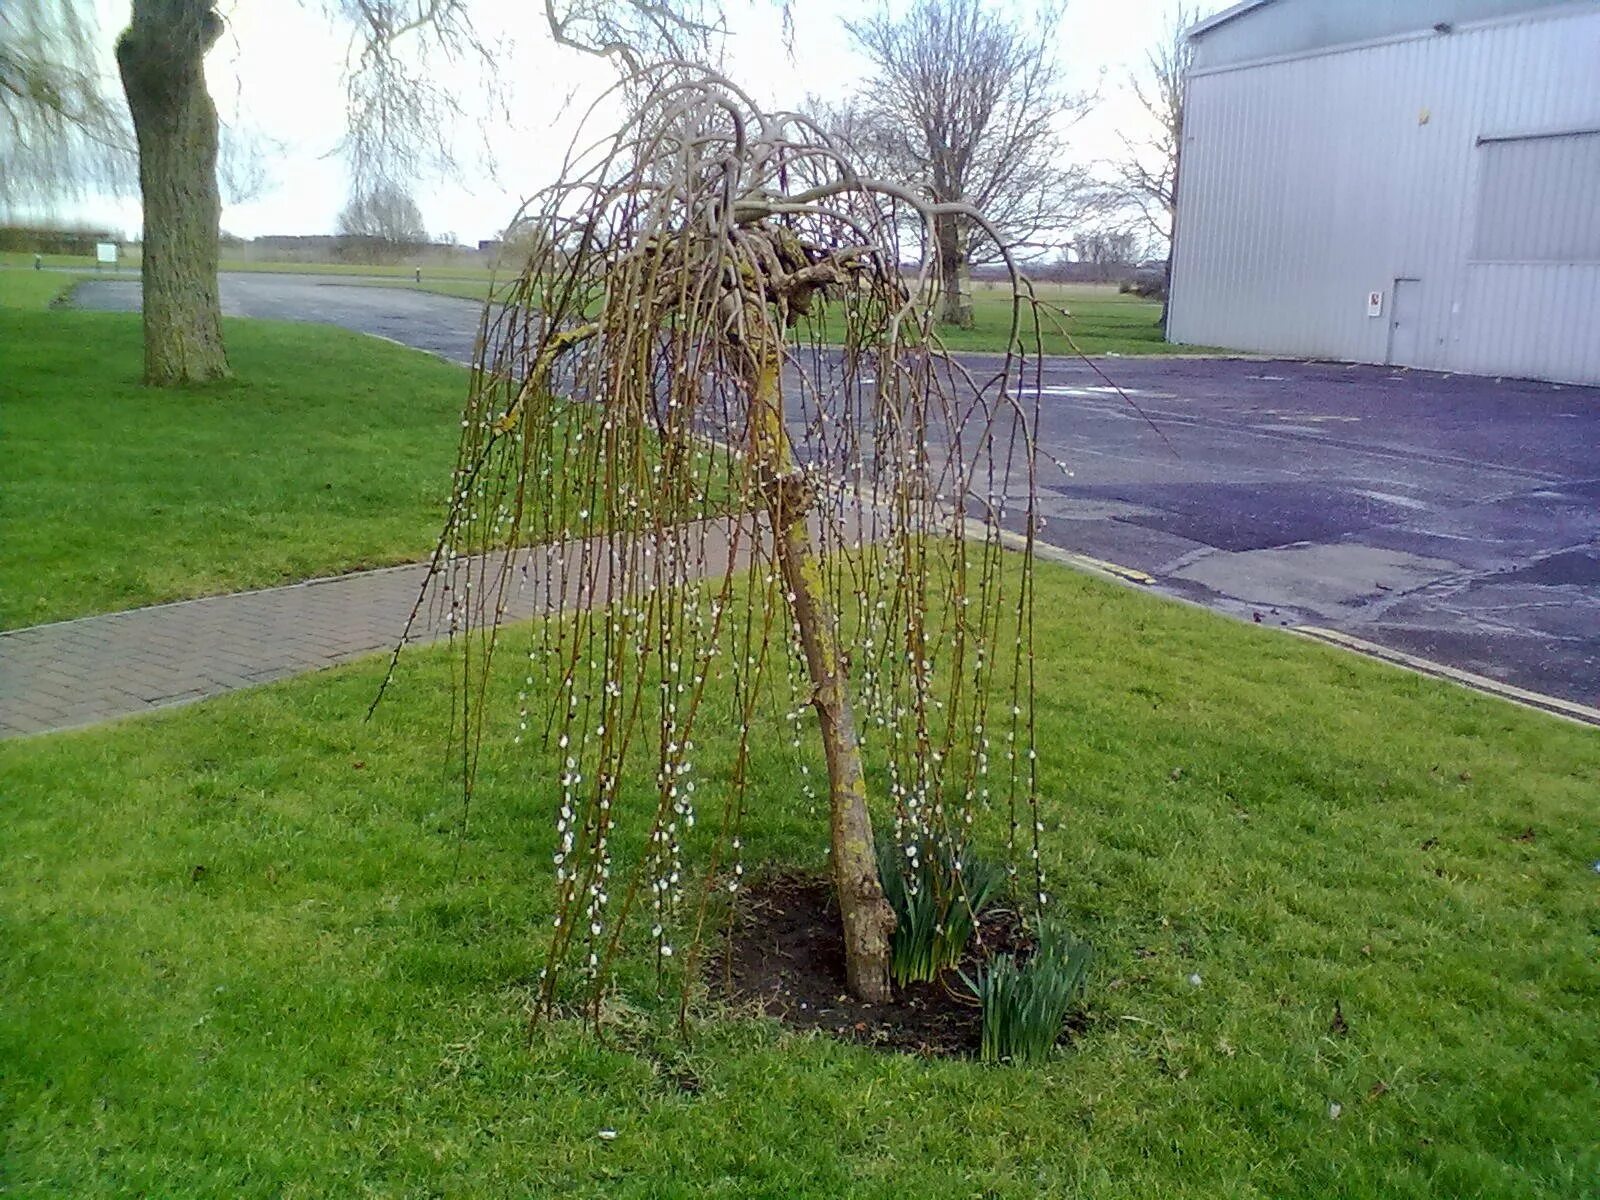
(1405, 326)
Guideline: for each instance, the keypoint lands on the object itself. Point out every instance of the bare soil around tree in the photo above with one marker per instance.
(784, 956)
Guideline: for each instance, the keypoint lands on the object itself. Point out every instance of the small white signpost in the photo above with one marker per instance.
(105, 254)
(1374, 304)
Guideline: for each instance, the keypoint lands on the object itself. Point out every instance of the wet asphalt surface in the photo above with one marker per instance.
(1452, 517)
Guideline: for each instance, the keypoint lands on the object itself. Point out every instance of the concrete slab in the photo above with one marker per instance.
(1333, 582)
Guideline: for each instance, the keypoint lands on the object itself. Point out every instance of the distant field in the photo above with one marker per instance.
(19, 258)
(399, 271)
(1076, 318)
(474, 288)
(1073, 319)
(1093, 318)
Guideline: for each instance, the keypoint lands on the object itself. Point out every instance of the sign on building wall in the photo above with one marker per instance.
(1374, 304)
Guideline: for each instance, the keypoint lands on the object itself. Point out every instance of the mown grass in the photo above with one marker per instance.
(327, 452)
(34, 289)
(399, 271)
(1073, 319)
(1081, 318)
(245, 951)
(476, 289)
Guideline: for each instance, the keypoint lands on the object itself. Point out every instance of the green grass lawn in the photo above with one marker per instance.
(245, 952)
(1076, 318)
(29, 289)
(1097, 319)
(475, 289)
(457, 271)
(1087, 318)
(328, 452)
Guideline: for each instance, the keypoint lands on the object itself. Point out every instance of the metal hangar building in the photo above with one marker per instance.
(1411, 182)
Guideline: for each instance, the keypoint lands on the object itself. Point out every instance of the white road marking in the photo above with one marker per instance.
(1391, 498)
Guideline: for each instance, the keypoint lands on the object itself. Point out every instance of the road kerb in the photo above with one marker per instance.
(1552, 705)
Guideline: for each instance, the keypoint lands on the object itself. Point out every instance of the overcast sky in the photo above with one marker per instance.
(277, 72)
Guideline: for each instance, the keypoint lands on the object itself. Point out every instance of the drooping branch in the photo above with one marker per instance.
(60, 127)
(704, 496)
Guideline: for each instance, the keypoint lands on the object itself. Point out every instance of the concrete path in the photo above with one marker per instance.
(93, 669)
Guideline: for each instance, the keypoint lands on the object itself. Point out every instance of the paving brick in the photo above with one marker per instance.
(101, 668)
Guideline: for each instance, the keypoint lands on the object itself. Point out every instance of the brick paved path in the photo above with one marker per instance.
(76, 673)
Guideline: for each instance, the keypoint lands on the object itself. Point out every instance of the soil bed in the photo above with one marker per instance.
(786, 956)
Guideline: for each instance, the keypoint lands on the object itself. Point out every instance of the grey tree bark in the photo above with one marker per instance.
(955, 273)
(161, 56)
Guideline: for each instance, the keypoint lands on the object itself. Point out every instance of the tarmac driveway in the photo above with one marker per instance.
(441, 325)
(1451, 517)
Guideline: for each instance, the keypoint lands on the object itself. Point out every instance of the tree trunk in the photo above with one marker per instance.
(868, 920)
(955, 278)
(1166, 297)
(162, 59)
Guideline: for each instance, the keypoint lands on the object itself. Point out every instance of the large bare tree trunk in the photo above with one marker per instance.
(867, 918)
(955, 278)
(162, 59)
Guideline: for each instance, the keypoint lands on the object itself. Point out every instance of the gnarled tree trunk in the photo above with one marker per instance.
(867, 918)
(162, 59)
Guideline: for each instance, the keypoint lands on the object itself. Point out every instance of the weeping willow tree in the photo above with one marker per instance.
(712, 433)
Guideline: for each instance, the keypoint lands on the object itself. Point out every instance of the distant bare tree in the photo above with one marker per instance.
(244, 162)
(381, 224)
(968, 105)
(1146, 177)
(860, 126)
(1107, 248)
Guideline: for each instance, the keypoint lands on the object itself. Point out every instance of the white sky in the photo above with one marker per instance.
(278, 71)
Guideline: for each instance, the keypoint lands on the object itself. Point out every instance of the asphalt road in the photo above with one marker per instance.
(1450, 517)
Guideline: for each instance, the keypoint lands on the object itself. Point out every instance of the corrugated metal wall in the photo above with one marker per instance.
(1309, 183)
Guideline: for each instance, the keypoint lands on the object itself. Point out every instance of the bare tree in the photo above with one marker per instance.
(64, 130)
(381, 224)
(397, 111)
(969, 105)
(1146, 177)
(656, 362)
(1107, 248)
